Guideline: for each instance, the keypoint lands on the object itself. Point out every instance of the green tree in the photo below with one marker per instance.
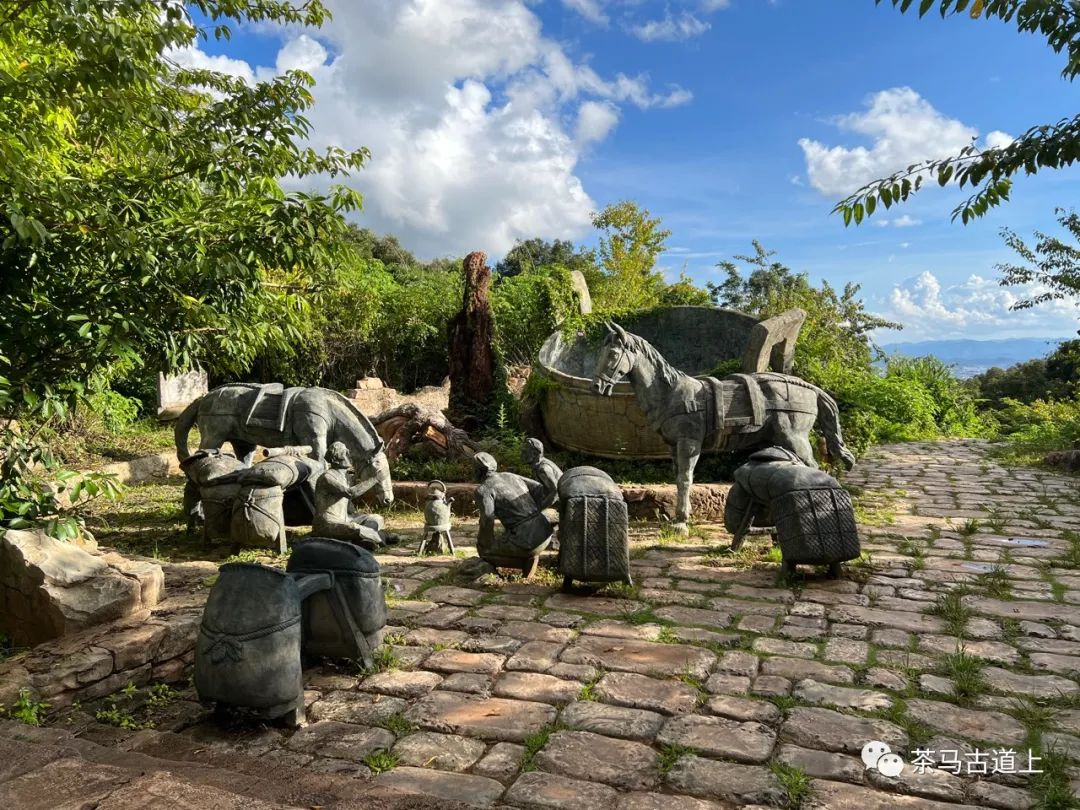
(533, 254)
(837, 328)
(143, 218)
(989, 172)
(630, 242)
(143, 222)
(1052, 264)
(897, 399)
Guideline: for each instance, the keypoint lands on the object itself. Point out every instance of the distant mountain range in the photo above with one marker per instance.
(971, 357)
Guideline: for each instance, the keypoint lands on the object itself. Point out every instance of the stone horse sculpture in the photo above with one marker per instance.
(740, 412)
(246, 415)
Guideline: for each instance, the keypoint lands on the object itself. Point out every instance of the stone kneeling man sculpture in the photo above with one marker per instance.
(516, 502)
(333, 497)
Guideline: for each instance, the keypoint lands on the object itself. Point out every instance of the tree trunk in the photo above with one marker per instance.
(472, 352)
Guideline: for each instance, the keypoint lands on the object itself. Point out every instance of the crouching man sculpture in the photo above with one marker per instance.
(811, 513)
(516, 502)
(333, 495)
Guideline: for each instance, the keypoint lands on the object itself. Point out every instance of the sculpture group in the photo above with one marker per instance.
(322, 454)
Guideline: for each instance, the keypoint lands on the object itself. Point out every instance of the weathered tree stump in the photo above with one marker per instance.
(472, 353)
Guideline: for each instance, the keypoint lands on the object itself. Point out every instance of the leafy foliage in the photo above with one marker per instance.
(905, 400)
(1052, 264)
(143, 223)
(535, 254)
(630, 242)
(1053, 377)
(989, 172)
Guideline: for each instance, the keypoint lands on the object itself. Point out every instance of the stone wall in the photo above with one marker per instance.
(643, 501)
(140, 649)
(372, 397)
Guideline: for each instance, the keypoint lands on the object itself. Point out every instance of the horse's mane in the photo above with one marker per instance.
(668, 373)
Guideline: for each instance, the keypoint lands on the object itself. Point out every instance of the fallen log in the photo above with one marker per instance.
(405, 425)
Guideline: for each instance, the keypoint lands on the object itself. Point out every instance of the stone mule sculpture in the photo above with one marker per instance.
(740, 412)
(811, 514)
(516, 503)
(247, 415)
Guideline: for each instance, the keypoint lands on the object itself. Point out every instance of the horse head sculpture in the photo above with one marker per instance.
(615, 361)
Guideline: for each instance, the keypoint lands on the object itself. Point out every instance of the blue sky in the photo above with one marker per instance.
(491, 120)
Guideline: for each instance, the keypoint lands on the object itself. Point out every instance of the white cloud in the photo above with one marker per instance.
(902, 221)
(714, 5)
(475, 120)
(903, 127)
(591, 10)
(595, 120)
(670, 29)
(976, 307)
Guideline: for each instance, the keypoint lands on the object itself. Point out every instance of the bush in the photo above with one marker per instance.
(1033, 429)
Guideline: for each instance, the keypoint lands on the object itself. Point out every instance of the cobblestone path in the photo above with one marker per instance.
(954, 640)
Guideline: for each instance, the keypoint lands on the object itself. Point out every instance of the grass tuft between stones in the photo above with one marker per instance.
(534, 743)
(951, 609)
(795, 783)
(966, 673)
(397, 725)
(381, 760)
(670, 754)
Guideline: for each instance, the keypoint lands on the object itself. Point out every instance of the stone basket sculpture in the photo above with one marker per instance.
(694, 339)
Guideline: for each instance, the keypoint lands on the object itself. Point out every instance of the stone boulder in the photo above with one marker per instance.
(49, 588)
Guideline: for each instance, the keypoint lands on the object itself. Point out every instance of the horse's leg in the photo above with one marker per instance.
(687, 452)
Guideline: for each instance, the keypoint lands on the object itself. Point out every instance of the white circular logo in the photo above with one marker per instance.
(890, 765)
(873, 751)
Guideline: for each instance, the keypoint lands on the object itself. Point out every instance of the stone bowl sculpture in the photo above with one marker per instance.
(694, 339)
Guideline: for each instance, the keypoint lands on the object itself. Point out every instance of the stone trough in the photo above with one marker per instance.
(696, 340)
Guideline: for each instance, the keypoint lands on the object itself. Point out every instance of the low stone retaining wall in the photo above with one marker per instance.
(643, 501)
(145, 647)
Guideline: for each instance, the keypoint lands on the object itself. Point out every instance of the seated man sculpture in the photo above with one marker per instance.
(333, 496)
(547, 472)
(516, 502)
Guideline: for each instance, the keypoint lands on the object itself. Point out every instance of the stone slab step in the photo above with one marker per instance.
(51, 769)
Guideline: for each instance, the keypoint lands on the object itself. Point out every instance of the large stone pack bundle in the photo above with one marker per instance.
(594, 541)
(260, 622)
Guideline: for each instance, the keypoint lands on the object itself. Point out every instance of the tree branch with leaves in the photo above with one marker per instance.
(987, 172)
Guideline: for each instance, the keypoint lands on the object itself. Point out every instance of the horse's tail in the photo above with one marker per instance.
(183, 427)
(829, 421)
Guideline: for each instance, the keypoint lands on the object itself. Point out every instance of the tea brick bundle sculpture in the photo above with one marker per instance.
(259, 622)
(812, 514)
(594, 542)
(248, 651)
(347, 620)
(210, 490)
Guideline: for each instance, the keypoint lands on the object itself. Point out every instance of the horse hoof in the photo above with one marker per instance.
(681, 528)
